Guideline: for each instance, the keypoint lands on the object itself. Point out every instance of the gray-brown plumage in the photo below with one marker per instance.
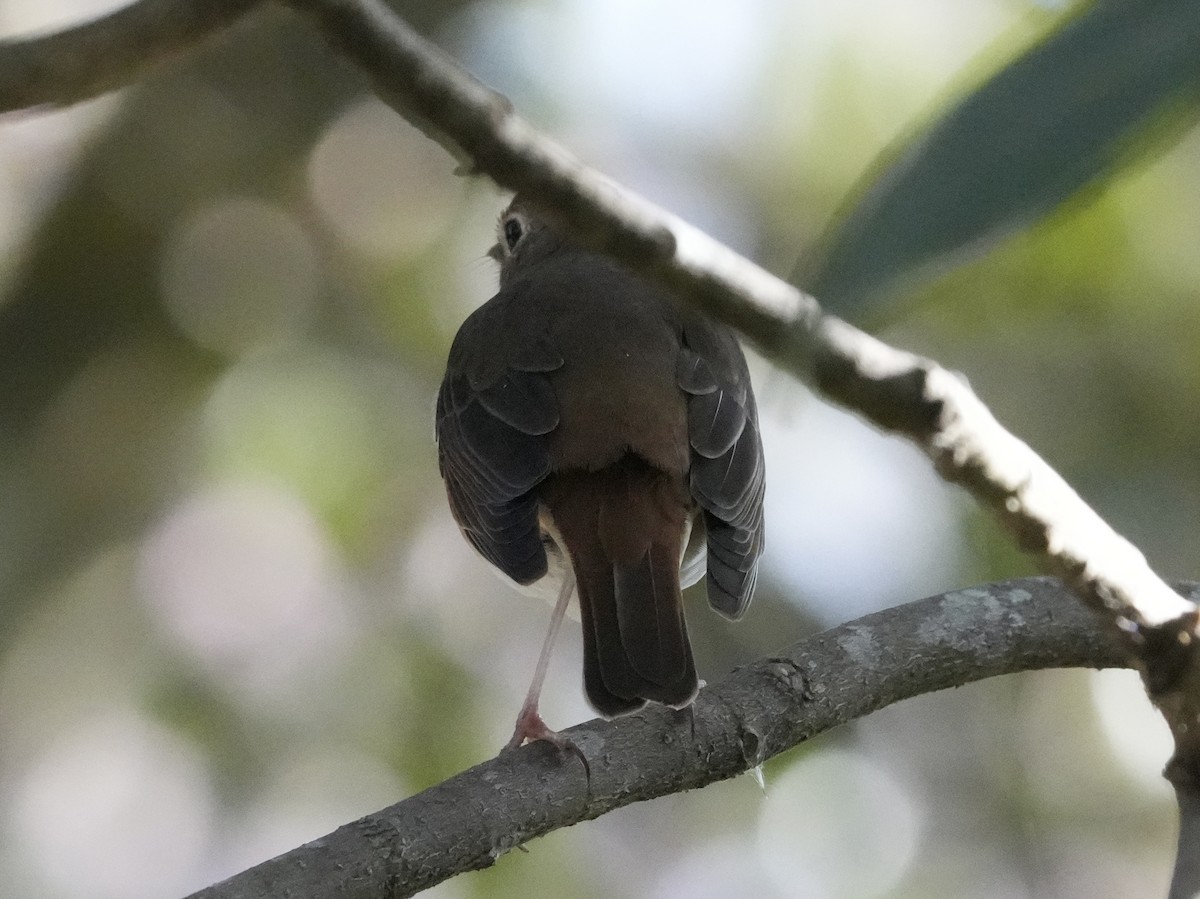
(586, 419)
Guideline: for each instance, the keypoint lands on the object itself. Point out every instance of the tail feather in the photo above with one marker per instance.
(623, 527)
(601, 688)
(650, 616)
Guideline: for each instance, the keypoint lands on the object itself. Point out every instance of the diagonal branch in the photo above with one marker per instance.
(894, 389)
(470, 820)
(110, 52)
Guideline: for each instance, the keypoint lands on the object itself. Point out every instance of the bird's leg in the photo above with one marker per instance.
(530, 725)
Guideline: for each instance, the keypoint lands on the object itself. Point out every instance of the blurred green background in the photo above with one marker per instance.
(234, 610)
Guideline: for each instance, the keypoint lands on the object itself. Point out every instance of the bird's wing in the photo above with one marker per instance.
(727, 460)
(494, 408)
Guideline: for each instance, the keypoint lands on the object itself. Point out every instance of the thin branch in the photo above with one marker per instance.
(110, 52)
(894, 389)
(470, 820)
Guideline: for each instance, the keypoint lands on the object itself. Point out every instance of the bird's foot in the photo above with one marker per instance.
(530, 727)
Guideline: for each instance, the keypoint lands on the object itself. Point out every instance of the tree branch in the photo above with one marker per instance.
(470, 820)
(110, 52)
(894, 389)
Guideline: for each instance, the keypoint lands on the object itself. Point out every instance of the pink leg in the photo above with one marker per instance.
(530, 725)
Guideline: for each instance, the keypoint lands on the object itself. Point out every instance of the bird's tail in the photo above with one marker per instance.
(622, 527)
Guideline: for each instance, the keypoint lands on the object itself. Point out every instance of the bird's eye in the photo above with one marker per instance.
(514, 230)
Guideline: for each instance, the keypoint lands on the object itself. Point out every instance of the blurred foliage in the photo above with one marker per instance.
(1118, 79)
(224, 548)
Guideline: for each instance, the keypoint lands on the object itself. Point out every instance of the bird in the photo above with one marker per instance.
(596, 437)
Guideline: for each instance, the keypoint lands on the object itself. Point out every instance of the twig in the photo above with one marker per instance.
(470, 820)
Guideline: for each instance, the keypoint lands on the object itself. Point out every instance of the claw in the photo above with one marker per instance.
(531, 727)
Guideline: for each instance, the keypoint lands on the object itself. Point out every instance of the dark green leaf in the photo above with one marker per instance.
(1091, 98)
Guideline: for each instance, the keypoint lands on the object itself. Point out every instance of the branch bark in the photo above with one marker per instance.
(115, 50)
(470, 820)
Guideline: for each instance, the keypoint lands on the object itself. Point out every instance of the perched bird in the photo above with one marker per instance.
(594, 434)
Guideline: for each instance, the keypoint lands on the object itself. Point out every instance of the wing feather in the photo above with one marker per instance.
(727, 472)
(493, 415)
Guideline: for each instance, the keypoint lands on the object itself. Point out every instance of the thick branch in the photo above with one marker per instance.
(110, 52)
(473, 818)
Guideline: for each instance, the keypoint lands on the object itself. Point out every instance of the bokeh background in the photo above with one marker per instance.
(234, 610)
